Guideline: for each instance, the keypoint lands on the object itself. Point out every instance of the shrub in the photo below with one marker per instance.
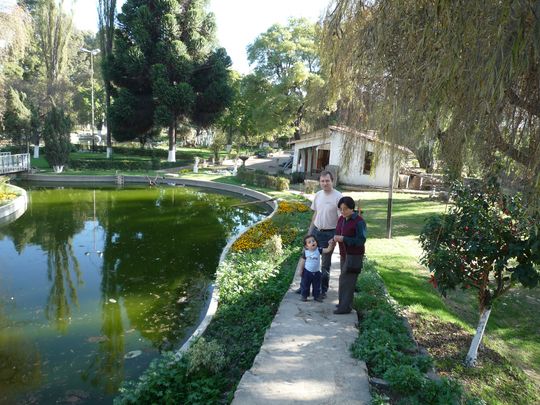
(109, 164)
(404, 379)
(310, 186)
(205, 355)
(385, 345)
(274, 246)
(297, 177)
(261, 179)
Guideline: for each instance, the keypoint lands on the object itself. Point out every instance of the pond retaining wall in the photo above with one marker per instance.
(15, 208)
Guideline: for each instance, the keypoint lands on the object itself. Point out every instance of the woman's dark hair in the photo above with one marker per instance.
(348, 201)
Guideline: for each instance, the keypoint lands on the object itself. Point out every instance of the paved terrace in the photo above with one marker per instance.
(305, 357)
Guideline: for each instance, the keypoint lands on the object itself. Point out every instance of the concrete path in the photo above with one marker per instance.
(305, 357)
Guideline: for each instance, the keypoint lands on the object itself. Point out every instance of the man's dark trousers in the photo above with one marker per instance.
(323, 237)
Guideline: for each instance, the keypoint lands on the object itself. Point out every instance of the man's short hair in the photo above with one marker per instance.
(326, 173)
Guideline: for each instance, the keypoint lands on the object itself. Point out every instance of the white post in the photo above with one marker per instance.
(470, 360)
(196, 165)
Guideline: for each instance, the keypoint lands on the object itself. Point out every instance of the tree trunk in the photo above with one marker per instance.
(172, 143)
(390, 190)
(470, 360)
(109, 135)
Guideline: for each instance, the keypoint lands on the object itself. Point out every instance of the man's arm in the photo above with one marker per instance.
(330, 248)
(312, 223)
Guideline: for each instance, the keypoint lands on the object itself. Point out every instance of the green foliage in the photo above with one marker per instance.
(274, 244)
(486, 241)
(297, 177)
(206, 355)
(286, 67)
(56, 131)
(404, 379)
(385, 344)
(263, 180)
(462, 74)
(17, 118)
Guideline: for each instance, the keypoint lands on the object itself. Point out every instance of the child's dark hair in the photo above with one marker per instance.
(307, 237)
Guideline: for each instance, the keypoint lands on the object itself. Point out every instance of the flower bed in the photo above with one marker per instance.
(256, 236)
(6, 196)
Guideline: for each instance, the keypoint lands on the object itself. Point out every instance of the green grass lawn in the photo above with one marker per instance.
(514, 326)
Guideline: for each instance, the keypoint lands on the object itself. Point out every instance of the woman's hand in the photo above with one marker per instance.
(338, 238)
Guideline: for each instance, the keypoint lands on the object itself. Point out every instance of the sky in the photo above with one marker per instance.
(238, 21)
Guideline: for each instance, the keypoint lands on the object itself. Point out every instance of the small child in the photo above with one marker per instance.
(310, 263)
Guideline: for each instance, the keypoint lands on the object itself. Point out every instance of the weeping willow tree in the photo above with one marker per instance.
(465, 74)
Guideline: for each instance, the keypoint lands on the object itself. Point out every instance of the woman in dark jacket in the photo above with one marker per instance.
(351, 235)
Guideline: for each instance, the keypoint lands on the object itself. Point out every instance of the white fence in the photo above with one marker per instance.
(14, 163)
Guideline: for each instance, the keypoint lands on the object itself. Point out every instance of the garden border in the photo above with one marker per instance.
(212, 302)
(14, 209)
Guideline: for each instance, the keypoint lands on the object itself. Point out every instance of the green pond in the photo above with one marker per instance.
(95, 283)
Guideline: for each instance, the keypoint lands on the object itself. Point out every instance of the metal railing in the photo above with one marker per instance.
(14, 163)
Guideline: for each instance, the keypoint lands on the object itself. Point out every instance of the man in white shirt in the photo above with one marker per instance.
(323, 223)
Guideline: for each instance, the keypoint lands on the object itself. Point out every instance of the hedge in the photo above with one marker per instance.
(259, 179)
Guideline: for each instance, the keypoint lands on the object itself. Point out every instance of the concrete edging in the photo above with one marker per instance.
(212, 289)
(14, 209)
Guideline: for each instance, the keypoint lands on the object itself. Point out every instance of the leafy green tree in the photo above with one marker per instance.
(467, 73)
(286, 66)
(53, 29)
(56, 131)
(486, 242)
(17, 119)
(237, 119)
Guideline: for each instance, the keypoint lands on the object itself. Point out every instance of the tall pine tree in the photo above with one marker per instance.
(166, 69)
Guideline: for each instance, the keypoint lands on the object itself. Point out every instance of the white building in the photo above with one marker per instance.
(360, 158)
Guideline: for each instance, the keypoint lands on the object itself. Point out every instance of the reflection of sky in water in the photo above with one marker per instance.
(77, 295)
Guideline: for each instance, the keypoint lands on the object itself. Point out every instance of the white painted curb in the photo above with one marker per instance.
(14, 209)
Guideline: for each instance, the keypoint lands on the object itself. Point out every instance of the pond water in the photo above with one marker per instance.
(94, 284)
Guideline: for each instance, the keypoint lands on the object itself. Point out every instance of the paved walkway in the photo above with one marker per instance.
(305, 357)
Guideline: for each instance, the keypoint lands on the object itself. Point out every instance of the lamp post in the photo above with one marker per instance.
(92, 52)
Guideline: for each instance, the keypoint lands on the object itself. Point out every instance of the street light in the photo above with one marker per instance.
(92, 52)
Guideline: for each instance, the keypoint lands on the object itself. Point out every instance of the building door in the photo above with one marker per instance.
(323, 158)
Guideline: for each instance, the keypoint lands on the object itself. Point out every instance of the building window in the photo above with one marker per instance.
(368, 161)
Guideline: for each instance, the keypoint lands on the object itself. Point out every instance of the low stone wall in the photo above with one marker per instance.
(212, 302)
(14, 209)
